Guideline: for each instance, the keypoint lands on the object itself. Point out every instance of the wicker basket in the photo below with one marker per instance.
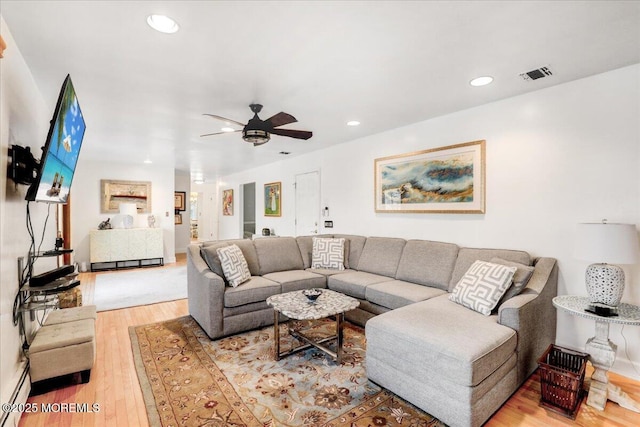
(561, 379)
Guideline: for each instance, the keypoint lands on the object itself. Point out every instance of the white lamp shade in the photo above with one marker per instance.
(128, 209)
(607, 243)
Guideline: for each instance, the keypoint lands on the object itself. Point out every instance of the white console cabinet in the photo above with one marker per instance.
(125, 248)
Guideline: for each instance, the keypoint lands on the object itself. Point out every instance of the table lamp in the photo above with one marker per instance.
(606, 244)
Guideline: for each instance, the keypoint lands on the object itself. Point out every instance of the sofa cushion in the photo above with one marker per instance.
(257, 289)
(482, 286)
(354, 284)
(353, 247)
(427, 263)
(278, 254)
(209, 254)
(467, 256)
(295, 280)
(328, 253)
(520, 278)
(329, 271)
(437, 337)
(233, 264)
(381, 255)
(398, 293)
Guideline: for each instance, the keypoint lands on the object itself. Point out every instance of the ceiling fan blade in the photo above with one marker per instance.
(224, 119)
(220, 133)
(281, 119)
(300, 134)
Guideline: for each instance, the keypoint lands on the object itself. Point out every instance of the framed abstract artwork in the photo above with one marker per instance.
(273, 199)
(447, 179)
(227, 202)
(115, 192)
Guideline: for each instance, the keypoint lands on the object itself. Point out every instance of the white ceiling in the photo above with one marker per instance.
(386, 64)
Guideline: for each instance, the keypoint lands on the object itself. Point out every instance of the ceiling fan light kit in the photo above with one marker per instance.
(258, 131)
(256, 136)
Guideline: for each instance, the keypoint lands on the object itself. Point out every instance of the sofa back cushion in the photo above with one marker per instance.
(278, 254)
(427, 263)
(467, 256)
(381, 255)
(353, 246)
(208, 251)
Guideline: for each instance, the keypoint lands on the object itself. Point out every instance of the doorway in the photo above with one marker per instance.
(194, 204)
(307, 203)
(248, 210)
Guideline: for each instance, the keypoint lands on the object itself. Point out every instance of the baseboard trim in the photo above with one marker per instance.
(19, 396)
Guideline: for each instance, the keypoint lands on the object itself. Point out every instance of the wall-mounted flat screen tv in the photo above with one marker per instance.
(61, 150)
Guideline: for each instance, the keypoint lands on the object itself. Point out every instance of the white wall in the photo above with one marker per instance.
(24, 120)
(183, 231)
(85, 199)
(555, 157)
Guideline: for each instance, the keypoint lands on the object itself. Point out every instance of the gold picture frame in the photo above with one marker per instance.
(273, 199)
(114, 192)
(447, 179)
(227, 202)
(178, 219)
(179, 200)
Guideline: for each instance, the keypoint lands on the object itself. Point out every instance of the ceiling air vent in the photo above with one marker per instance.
(536, 74)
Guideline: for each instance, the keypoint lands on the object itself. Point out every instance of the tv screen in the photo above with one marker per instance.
(61, 149)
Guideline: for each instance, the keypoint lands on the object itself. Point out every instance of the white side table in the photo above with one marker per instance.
(602, 352)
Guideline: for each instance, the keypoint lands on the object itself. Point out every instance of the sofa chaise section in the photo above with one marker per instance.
(455, 363)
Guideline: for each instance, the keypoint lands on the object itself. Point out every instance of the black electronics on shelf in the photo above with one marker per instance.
(50, 276)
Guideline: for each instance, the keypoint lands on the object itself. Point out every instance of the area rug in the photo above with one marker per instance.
(139, 287)
(189, 380)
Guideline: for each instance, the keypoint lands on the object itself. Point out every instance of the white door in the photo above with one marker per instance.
(307, 203)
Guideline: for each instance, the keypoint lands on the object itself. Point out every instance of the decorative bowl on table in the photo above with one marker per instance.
(312, 294)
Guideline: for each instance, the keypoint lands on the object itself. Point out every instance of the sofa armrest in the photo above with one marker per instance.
(205, 291)
(533, 316)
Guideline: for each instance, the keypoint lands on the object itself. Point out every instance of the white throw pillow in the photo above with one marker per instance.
(328, 253)
(234, 266)
(482, 286)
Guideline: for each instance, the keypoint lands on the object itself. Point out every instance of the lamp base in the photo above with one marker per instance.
(605, 284)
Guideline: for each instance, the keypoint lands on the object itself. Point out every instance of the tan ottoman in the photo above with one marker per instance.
(63, 348)
(71, 315)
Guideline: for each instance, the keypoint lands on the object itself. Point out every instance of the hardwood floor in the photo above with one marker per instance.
(114, 383)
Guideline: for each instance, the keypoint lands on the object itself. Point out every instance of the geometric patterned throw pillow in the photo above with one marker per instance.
(234, 266)
(328, 253)
(482, 286)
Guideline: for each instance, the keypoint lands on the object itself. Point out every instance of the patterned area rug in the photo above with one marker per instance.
(189, 380)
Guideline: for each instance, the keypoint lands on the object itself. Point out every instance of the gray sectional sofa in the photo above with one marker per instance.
(454, 363)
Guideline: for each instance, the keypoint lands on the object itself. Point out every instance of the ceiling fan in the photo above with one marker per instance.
(258, 131)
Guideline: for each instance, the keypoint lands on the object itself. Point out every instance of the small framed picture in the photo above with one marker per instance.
(178, 219)
(179, 200)
(227, 202)
(273, 199)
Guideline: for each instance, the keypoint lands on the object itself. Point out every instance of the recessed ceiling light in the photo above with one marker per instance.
(227, 129)
(481, 81)
(353, 123)
(198, 181)
(148, 161)
(162, 23)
